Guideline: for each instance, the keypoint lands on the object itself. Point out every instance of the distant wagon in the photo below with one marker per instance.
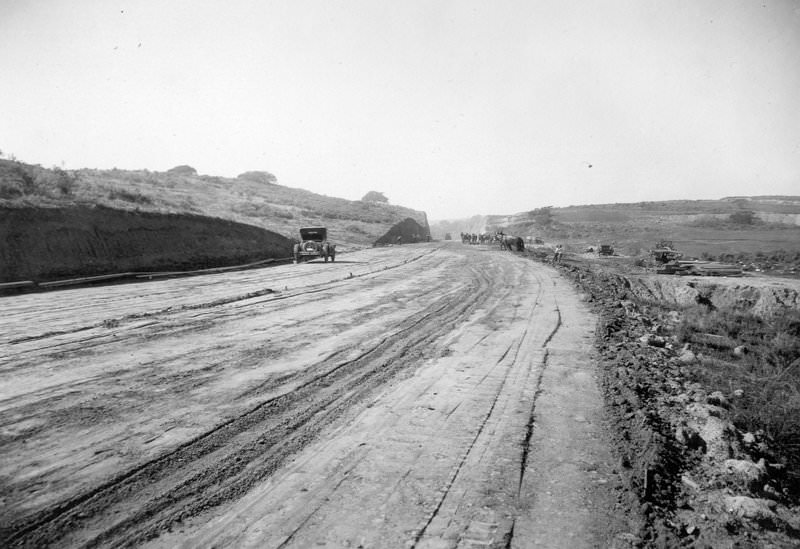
(665, 252)
(314, 243)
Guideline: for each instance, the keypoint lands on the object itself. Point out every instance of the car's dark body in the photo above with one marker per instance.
(314, 243)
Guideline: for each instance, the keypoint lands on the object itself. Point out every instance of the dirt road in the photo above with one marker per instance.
(434, 395)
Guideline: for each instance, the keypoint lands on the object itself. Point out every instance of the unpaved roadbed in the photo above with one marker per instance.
(410, 396)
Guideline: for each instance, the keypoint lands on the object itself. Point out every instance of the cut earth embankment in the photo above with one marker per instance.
(50, 243)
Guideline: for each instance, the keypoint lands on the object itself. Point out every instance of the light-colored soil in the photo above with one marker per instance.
(433, 395)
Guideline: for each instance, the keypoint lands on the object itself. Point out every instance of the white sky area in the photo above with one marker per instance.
(455, 107)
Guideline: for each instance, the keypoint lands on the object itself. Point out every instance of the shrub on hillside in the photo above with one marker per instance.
(24, 179)
(375, 196)
(10, 189)
(709, 222)
(356, 229)
(258, 177)
(128, 196)
(542, 216)
(60, 180)
(743, 217)
(183, 169)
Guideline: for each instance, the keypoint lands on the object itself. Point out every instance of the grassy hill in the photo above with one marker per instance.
(252, 198)
(712, 228)
(57, 224)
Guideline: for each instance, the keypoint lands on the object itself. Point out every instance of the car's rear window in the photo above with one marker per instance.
(313, 234)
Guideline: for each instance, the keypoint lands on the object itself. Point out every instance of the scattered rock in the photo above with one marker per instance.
(690, 438)
(745, 471)
(750, 508)
(771, 491)
(716, 432)
(740, 351)
(653, 340)
(718, 399)
(647, 387)
(689, 483)
(626, 540)
(674, 317)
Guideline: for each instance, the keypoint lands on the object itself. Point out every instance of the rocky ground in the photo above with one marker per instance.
(696, 480)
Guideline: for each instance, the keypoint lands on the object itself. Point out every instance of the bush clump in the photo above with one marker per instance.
(183, 169)
(128, 196)
(375, 196)
(18, 179)
(265, 178)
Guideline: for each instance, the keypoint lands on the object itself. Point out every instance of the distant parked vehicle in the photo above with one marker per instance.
(314, 243)
(605, 249)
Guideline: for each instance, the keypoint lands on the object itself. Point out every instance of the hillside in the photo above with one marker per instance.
(732, 226)
(252, 198)
(56, 223)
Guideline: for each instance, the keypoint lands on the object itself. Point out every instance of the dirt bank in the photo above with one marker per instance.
(406, 231)
(760, 296)
(697, 479)
(49, 243)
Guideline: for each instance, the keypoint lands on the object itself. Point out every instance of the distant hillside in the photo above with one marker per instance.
(253, 198)
(728, 225)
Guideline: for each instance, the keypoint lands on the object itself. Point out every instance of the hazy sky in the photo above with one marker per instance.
(452, 107)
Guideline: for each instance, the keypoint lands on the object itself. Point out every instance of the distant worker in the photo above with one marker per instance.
(399, 239)
(559, 251)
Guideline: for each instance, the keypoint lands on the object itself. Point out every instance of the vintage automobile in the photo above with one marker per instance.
(314, 243)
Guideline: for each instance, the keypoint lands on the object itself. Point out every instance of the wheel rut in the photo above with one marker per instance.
(514, 372)
(223, 463)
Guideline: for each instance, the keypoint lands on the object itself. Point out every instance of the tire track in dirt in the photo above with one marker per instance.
(266, 277)
(300, 483)
(84, 519)
(511, 376)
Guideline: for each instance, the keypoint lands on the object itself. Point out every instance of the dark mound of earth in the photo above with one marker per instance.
(404, 232)
(49, 243)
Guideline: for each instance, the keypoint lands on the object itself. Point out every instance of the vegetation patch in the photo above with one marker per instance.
(128, 196)
(757, 363)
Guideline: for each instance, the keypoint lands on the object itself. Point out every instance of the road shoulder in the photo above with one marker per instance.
(570, 489)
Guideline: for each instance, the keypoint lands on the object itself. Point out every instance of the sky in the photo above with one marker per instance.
(453, 107)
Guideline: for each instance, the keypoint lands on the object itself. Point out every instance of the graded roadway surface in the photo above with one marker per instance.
(431, 395)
